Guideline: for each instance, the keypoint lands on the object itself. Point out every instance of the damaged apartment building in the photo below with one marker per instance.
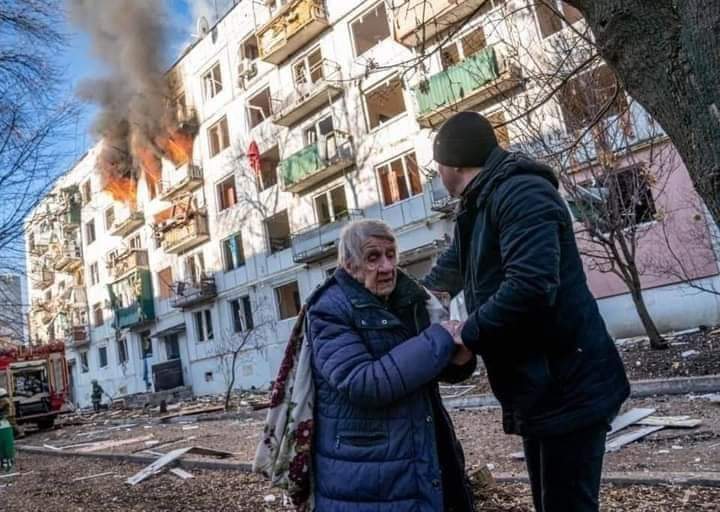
(291, 118)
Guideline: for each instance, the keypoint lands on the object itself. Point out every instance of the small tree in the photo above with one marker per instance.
(250, 336)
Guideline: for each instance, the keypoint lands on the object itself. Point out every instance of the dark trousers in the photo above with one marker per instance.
(565, 470)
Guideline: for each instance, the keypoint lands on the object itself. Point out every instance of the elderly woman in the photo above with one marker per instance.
(383, 440)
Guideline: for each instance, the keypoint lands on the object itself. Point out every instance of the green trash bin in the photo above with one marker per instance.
(7, 447)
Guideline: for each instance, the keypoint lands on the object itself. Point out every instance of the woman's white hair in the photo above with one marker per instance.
(353, 237)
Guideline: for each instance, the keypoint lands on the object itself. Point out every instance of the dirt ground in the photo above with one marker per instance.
(688, 355)
(50, 487)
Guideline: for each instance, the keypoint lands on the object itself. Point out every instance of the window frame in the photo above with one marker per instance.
(388, 164)
(278, 302)
(90, 229)
(84, 361)
(98, 308)
(102, 350)
(252, 108)
(122, 347)
(334, 216)
(216, 83)
(352, 22)
(220, 194)
(94, 271)
(268, 240)
(203, 325)
(373, 89)
(109, 222)
(223, 138)
(229, 266)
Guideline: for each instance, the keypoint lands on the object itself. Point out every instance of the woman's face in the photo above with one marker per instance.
(378, 268)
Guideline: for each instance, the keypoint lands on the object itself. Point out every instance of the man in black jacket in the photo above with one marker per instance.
(549, 358)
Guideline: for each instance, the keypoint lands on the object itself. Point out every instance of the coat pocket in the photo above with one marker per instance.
(360, 439)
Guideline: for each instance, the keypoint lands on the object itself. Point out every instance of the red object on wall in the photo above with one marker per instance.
(253, 154)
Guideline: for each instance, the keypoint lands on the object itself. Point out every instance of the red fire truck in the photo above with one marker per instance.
(37, 380)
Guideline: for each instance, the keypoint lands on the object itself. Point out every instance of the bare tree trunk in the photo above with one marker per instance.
(231, 382)
(656, 340)
(666, 55)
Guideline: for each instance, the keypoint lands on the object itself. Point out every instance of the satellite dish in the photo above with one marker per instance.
(203, 26)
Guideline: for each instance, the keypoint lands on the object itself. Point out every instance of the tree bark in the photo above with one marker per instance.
(231, 383)
(666, 53)
(656, 340)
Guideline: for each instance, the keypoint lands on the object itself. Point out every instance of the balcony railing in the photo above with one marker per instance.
(191, 294)
(128, 261)
(78, 336)
(181, 235)
(320, 241)
(441, 200)
(310, 96)
(316, 162)
(190, 178)
(39, 244)
(135, 290)
(46, 277)
(476, 79)
(291, 28)
(418, 21)
(68, 257)
(127, 225)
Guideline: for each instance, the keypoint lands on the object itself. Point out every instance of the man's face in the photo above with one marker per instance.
(378, 269)
(451, 179)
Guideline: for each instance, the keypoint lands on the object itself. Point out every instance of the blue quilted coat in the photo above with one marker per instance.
(383, 441)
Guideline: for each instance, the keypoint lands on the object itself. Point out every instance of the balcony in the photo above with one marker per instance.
(127, 262)
(67, 257)
(78, 336)
(181, 234)
(131, 299)
(192, 294)
(418, 21)
(291, 28)
(440, 198)
(309, 97)
(39, 244)
(129, 224)
(476, 79)
(42, 310)
(190, 177)
(320, 241)
(317, 162)
(46, 277)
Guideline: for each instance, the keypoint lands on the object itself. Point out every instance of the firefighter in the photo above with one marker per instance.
(96, 396)
(7, 411)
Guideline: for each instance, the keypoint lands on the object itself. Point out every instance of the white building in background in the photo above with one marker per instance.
(306, 117)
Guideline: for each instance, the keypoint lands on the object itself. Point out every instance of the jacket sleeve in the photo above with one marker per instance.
(445, 275)
(528, 215)
(343, 360)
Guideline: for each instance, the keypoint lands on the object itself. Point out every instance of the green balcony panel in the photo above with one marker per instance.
(458, 81)
(300, 165)
(142, 308)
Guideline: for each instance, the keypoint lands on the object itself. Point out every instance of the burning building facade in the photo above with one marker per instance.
(212, 203)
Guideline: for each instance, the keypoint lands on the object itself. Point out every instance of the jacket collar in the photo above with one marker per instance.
(406, 292)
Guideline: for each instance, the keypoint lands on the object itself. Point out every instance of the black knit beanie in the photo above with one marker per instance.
(464, 140)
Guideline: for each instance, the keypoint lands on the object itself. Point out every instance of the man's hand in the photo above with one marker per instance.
(453, 327)
(463, 355)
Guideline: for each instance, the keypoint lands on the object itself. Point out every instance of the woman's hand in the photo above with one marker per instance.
(463, 355)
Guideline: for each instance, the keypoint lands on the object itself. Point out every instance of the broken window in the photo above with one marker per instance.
(589, 95)
(194, 267)
(317, 131)
(203, 325)
(109, 218)
(90, 231)
(134, 242)
(233, 254)
(399, 179)
(218, 136)
(385, 102)
(462, 48)
(550, 14)
(269, 162)
(309, 69)
(165, 283)
(226, 193)
(84, 366)
(259, 108)
(146, 348)
(249, 48)
(497, 120)
(122, 351)
(331, 206)
(94, 274)
(241, 313)
(172, 347)
(370, 29)
(278, 232)
(102, 357)
(98, 319)
(212, 82)
(86, 193)
(288, 299)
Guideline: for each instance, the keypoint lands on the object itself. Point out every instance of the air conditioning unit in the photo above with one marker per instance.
(246, 68)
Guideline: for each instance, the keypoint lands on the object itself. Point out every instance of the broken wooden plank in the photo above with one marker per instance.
(618, 442)
(517, 455)
(163, 443)
(102, 445)
(157, 466)
(628, 418)
(181, 473)
(211, 452)
(670, 421)
(13, 475)
(51, 447)
(190, 411)
(90, 477)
